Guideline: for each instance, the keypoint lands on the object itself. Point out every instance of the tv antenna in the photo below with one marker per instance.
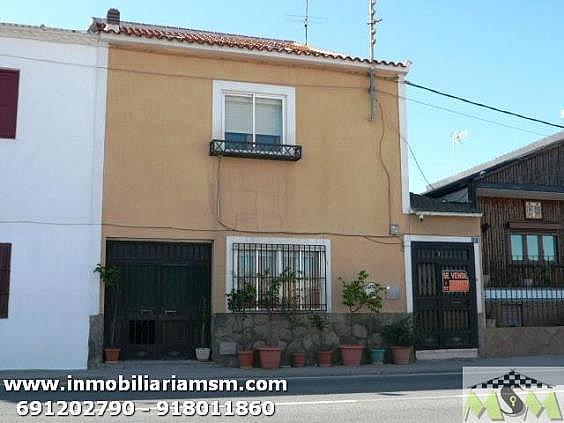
(456, 137)
(307, 20)
(372, 27)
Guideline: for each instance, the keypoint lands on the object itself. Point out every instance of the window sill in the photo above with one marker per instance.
(256, 151)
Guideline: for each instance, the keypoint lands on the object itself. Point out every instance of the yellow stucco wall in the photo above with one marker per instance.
(158, 173)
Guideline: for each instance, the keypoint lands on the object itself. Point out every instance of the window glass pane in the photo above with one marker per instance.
(548, 246)
(246, 262)
(532, 247)
(268, 123)
(268, 261)
(238, 118)
(533, 210)
(516, 247)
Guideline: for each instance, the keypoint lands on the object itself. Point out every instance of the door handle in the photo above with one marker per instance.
(146, 311)
(170, 311)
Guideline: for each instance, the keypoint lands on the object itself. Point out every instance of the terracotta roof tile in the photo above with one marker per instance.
(134, 29)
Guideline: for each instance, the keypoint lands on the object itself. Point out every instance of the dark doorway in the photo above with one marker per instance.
(444, 295)
(164, 298)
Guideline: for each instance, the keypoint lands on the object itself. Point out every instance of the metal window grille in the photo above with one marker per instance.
(262, 264)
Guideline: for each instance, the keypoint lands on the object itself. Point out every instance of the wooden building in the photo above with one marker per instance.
(521, 197)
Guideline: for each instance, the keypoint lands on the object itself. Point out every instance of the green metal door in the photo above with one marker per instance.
(163, 305)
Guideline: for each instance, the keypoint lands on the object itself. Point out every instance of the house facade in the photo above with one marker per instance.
(230, 156)
(52, 118)
(521, 196)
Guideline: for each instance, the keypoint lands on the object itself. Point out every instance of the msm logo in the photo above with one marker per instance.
(511, 397)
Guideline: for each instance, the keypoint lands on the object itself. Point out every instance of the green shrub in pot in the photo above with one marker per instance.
(401, 336)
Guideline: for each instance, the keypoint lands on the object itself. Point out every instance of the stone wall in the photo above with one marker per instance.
(518, 341)
(96, 340)
(294, 333)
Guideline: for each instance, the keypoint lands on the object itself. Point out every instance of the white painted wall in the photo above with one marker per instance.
(52, 175)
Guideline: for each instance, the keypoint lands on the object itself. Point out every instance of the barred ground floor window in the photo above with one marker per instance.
(298, 268)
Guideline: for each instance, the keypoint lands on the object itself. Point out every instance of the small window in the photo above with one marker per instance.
(533, 210)
(5, 259)
(517, 247)
(9, 82)
(253, 119)
(533, 247)
(549, 248)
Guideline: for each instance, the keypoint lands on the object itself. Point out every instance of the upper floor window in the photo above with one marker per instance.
(533, 210)
(5, 258)
(533, 247)
(9, 82)
(254, 120)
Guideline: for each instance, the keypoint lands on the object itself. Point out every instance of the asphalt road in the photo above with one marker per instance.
(424, 397)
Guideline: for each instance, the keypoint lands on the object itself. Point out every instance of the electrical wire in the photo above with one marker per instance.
(385, 167)
(404, 140)
(478, 104)
(372, 237)
(328, 86)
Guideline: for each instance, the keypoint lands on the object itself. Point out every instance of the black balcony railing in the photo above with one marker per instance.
(255, 150)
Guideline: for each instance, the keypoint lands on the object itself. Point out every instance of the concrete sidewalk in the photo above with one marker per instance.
(196, 370)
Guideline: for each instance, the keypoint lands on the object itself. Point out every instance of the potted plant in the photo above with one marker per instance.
(110, 277)
(325, 354)
(271, 354)
(377, 355)
(358, 294)
(298, 359)
(239, 301)
(401, 338)
(203, 352)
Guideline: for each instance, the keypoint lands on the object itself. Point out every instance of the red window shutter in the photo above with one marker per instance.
(9, 82)
(5, 258)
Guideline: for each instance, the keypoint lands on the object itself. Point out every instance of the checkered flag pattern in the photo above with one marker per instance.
(512, 379)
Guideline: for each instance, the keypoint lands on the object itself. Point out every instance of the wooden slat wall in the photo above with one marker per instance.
(543, 168)
(498, 212)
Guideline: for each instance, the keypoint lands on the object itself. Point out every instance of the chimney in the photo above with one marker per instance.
(112, 17)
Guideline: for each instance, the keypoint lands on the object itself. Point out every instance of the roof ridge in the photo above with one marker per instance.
(224, 39)
(509, 156)
(44, 27)
(205, 31)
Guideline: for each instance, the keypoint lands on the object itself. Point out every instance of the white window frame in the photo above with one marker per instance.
(285, 93)
(230, 271)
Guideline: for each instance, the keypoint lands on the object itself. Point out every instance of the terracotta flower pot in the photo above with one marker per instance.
(245, 359)
(401, 355)
(351, 355)
(112, 355)
(298, 359)
(325, 358)
(270, 357)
